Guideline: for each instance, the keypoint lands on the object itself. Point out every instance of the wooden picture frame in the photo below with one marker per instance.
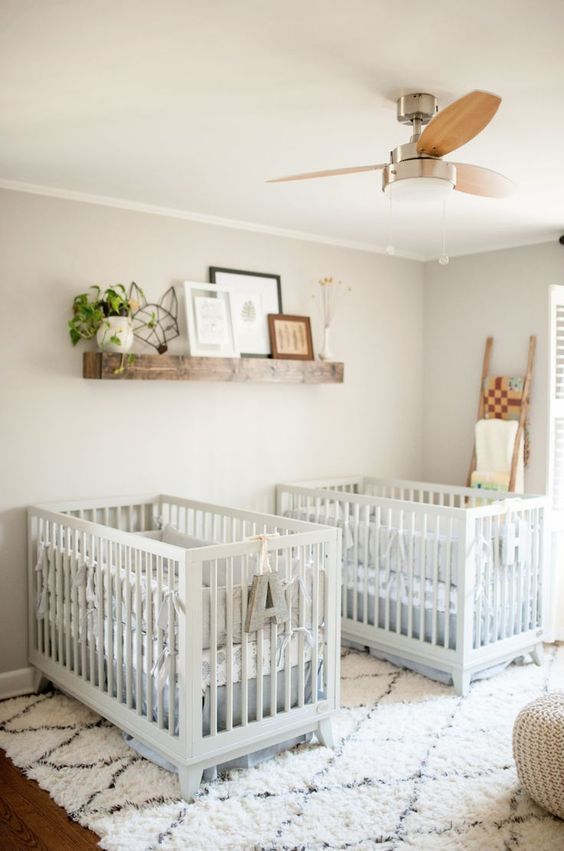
(290, 336)
(253, 296)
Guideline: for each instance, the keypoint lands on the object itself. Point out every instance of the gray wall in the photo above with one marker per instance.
(62, 437)
(503, 294)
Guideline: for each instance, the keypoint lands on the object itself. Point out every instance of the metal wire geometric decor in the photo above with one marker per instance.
(154, 323)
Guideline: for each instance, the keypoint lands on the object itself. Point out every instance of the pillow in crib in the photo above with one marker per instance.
(171, 535)
(156, 534)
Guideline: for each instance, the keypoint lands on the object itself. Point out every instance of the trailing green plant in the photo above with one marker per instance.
(90, 309)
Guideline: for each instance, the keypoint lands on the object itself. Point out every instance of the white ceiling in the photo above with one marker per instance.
(191, 104)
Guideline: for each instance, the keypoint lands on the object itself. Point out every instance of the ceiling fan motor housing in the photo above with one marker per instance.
(418, 106)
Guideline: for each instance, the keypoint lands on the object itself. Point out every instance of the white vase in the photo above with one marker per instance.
(115, 334)
(326, 353)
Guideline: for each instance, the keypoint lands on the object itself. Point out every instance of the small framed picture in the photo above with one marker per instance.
(209, 321)
(290, 336)
(253, 296)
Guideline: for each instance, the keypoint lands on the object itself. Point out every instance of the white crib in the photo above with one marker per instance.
(447, 580)
(153, 636)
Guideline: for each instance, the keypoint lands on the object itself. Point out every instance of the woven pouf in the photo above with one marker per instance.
(538, 748)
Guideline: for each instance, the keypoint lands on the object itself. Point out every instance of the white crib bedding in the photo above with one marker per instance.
(238, 655)
(382, 544)
(431, 619)
(390, 585)
(159, 682)
(138, 605)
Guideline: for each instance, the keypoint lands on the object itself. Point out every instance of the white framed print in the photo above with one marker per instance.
(209, 321)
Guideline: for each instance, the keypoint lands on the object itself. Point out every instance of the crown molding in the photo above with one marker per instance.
(509, 246)
(202, 218)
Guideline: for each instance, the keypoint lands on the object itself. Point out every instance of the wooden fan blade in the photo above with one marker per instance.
(476, 180)
(328, 173)
(458, 123)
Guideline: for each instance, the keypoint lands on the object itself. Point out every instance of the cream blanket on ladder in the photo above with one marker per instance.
(495, 440)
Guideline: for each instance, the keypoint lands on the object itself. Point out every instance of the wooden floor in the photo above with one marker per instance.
(29, 818)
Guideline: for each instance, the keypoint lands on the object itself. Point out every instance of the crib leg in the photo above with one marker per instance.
(190, 778)
(461, 682)
(40, 682)
(537, 654)
(324, 733)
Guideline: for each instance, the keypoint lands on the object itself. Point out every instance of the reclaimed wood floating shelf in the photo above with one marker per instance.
(103, 365)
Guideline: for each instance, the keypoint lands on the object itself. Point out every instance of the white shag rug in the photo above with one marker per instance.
(415, 767)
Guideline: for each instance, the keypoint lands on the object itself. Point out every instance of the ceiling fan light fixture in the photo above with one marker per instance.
(419, 180)
(422, 190)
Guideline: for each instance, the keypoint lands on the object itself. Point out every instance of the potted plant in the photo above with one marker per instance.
(105, 315)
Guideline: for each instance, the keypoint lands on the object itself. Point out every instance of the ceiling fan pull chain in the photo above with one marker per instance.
(444, 259)
(390, 250)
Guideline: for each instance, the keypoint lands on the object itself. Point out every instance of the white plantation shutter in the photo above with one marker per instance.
(556, 466)
(554, 612)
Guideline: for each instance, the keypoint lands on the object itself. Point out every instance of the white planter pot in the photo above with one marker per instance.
(115, 334)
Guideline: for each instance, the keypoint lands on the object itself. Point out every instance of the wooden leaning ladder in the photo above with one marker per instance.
(525, 401)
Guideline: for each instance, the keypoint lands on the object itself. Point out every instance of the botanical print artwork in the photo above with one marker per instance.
(248, 312)
(250, 326)
(291, 338)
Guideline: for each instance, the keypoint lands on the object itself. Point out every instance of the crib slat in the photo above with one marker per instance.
(229, 642)
(313, 588)
(159, 638)
(244, 640)
(399, 572)
(389, 553)
(213, 646)
(145, 560)
(410, 578)
(435, 608)
(75, 620)
(60, 603)
(368, 564)
(422, 576)
(91, 611)
(277, 566)
(378, 563)
(52, 590)
(536, 566)
(289, 625)
(138, 635)
(111, 617)
(302, 623)
(448, 578)
(102, 566)
(494, 539)
(481, 544)
(514, 529)
(528, 574)
(119, 621)
(522, 555)
(83, 631)
(172, 644)
(128, 629)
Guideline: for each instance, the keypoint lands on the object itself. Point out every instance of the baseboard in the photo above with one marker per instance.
(14, 683)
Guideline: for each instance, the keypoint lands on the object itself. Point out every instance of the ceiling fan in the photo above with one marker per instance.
(416, 170)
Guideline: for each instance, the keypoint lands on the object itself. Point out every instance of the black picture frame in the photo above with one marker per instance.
(215, 272)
